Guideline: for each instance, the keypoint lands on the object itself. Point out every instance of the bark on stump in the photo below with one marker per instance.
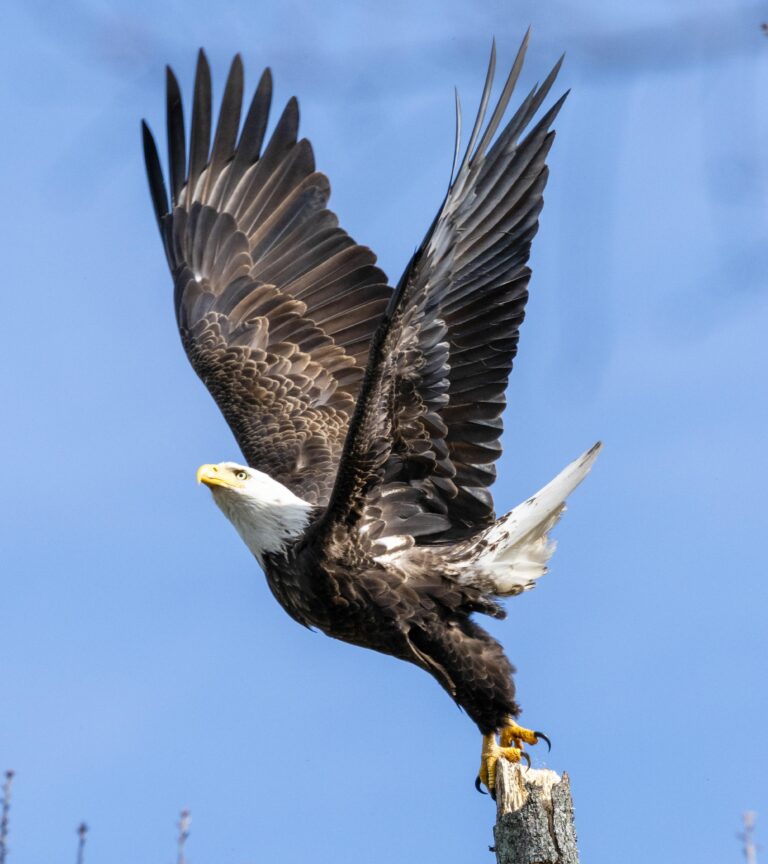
(534, 822)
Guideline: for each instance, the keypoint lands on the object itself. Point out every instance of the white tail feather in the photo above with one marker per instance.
(514, 551)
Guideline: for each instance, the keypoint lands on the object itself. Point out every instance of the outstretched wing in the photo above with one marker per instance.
(276, 304)
(422, 446)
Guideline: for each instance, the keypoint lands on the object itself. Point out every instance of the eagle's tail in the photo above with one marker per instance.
(511, 554)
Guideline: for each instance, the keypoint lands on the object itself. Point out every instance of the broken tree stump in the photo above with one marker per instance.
(534, 821)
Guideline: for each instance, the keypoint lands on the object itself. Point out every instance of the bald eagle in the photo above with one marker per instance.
(369, 417)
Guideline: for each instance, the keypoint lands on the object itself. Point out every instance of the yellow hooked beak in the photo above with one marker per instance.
(212, 475)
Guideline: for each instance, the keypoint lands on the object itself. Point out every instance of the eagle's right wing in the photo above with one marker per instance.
(420, 454)
(276, 304)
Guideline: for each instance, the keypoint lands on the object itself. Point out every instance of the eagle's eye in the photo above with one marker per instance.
(241, 475)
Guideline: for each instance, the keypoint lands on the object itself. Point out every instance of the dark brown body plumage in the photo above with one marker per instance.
(423, 619)
(380, 407)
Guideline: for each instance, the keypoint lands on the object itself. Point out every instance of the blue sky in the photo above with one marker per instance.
(145, 667)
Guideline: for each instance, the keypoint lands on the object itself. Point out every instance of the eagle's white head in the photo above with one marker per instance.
(266, 514)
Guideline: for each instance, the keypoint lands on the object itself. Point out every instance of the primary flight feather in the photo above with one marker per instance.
(369, 417)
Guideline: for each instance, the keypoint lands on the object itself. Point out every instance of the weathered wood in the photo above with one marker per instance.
(534, 822)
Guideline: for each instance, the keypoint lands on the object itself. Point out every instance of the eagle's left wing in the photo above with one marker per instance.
(419, 455)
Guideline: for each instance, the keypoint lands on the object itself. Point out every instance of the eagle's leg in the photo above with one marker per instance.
(491, 753)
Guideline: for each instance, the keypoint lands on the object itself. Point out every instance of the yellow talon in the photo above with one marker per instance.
(490, 755)
(511, 734)
(518, 734)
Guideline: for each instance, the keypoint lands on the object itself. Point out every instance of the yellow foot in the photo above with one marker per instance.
(493, 751)
(489, 757)
(512, 733)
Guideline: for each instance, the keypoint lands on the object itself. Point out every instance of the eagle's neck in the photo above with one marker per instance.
(267, 519)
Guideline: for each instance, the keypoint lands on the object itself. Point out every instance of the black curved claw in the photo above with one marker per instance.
(524, 755)
(477, 786)
(544, 738)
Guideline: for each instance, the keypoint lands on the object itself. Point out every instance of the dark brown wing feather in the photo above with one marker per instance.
(421, 450)
(276, 305)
